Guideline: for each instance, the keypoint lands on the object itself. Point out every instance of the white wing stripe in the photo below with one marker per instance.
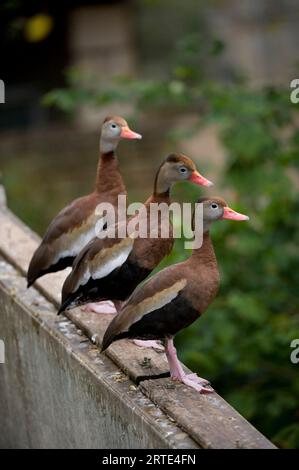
(111, 264)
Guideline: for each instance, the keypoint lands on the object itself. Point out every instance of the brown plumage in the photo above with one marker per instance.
(175, 297)
(74, 226)
(110, 269)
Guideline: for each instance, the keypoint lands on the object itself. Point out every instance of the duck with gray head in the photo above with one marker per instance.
(175, 297)
(74, 226)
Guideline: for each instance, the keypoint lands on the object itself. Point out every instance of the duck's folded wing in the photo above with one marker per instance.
(157, 292)
(68, 232)
(96, 261)
(74, 219)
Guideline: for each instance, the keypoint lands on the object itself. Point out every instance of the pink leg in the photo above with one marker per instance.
(100, 307)
(177, 373)
(156, 345)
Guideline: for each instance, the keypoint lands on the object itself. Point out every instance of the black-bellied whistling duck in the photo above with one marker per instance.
(175, 297)
(111, 268)
(74, 226)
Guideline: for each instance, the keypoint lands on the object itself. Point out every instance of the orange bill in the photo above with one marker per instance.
(233, 215)
(127, 133)
(197, 178)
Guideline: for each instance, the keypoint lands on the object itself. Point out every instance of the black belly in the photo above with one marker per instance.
(165, 322)
(118, 285)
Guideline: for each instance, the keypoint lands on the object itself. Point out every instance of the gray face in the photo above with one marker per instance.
(212, 210)
(111, 130)
(172, 173)
(177, 172)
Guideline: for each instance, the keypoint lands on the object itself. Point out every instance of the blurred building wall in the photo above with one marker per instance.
(261, 37)
(101, 46)
(107, 38)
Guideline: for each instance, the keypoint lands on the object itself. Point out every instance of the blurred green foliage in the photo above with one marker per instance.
(243, 342)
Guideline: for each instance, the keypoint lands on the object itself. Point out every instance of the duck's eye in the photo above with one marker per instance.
(183, 169)
(113, 126)
(214, 205)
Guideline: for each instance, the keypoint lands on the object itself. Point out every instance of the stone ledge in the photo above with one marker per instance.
(58, 391)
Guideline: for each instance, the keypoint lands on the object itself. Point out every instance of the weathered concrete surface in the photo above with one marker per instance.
(58, 391)
(208, 420)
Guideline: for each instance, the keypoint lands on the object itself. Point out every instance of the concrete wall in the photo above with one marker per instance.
(57, 391)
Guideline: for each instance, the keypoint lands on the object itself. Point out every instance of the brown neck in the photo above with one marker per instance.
(204, 274)
(108, 177)
(204, 254)
(161, 188)
(160, 197)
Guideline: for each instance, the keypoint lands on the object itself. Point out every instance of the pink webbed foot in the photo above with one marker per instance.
(106, 307)
(156, 345)
(177, 373)
(192, 380)
(199, 379)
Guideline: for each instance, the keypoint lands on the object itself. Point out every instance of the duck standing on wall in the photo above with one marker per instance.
(74, 226)
(110, 269)
(175, 297)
